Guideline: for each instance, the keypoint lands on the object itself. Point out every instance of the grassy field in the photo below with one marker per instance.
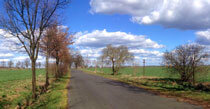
(152, 72)
(159, 81)
(15, 88)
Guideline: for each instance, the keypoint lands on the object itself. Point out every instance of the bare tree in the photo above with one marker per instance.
(78, 60)
(27, 20)
(18, 64)
(117, 56)
(22, 65)
(3, 64)
(186, 60)
(39, 64)
(10, 64)
(27, 62)
(135, 66)
(47, 48)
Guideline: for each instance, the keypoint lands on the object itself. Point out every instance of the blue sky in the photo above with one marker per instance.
(78, 18)
(147, 27)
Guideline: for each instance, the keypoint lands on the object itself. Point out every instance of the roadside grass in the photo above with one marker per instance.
(56, 96)
(158, 81)
(15, 89)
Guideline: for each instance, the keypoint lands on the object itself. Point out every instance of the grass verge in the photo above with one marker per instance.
(166, 87)
(56, 97)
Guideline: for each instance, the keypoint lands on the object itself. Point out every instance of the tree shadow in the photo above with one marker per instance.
(127, 86)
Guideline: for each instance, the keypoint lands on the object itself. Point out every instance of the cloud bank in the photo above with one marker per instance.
(90, 44)
(181, 14)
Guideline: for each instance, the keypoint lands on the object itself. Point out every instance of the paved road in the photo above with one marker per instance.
(94, 92)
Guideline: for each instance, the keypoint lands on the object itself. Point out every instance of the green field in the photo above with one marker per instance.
(15, 85)
(151, 72)
(15, 88)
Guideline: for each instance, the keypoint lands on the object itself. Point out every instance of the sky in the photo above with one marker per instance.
(147, 27)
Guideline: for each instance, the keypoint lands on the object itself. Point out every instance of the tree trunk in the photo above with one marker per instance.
(57, 68)
(76, 66)
(47, 72)
(113, 69)
(33, 64)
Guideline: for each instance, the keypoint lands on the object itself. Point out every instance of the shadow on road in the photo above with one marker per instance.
(127, 86)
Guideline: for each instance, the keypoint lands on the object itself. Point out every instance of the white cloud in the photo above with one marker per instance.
(20, 58)
(203, 37)
(9, 43)
(90, 44)
(4, 60)
(182, 14)
(98, 39)
(146, 53)
(2, 55)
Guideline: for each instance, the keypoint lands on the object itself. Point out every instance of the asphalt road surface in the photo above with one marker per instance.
(94, 92)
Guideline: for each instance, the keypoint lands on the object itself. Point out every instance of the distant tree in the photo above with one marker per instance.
(27, 63)
(10, 64)
(22, 65)
(86, 62)
(18, 64)
(39, 64)
(135, 67)
(186, 60)
(78, 60)
(3, 64)
(116, 56)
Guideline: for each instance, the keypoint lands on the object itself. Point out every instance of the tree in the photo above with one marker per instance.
(27, 20)
(78, 60)
(60, 42)
(186, 60)
(39, 64)
(3, 64)
(135, 67)
(117, 56)
(47, 48)
(27, 62)
(10, 64)
(18, 64)
(22, 65)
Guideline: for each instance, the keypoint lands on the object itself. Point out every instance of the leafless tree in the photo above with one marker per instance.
(186, 60)
(78, 60)
(135, 66)
(3, 64)
(39, 65)
(86, 61)
(27, 62)
(22, 65)
(117, 56)
(10, 64)
(18, 64)
(27, 20)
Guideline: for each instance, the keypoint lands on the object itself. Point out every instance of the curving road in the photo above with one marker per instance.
(95, 92)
